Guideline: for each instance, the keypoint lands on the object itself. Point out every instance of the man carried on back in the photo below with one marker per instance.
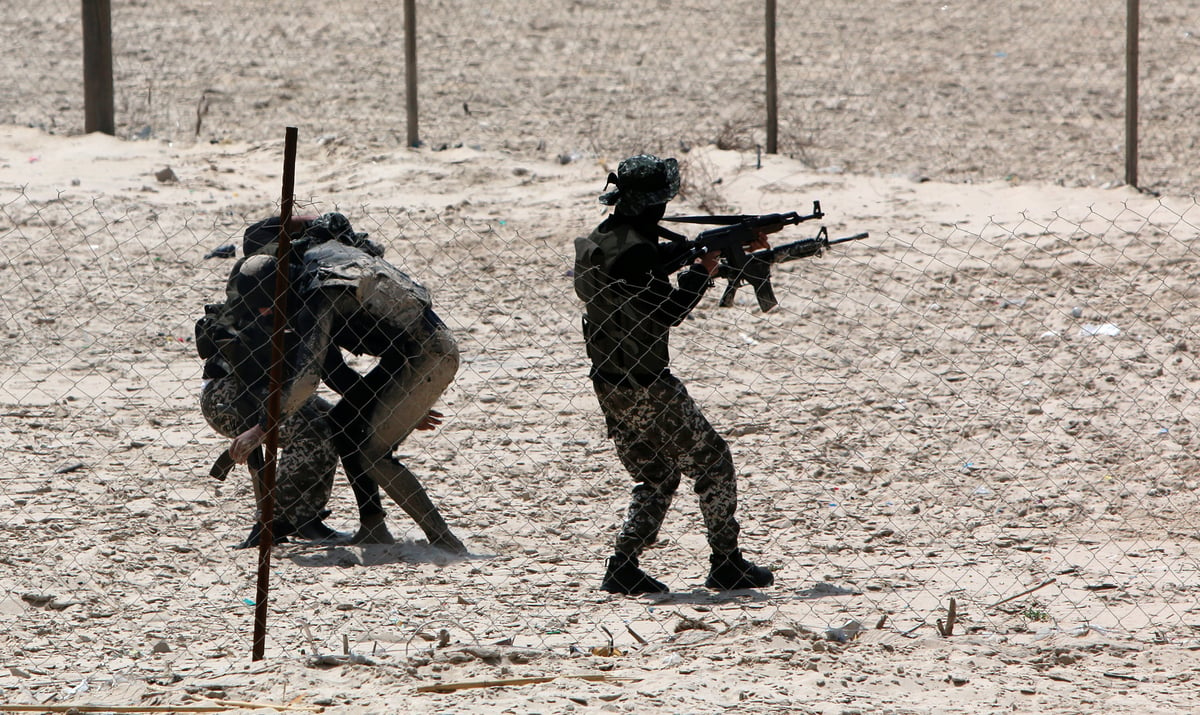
(346, 297)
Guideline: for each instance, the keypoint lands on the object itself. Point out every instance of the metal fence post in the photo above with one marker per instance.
(410, 70)
(274, 398)
(97, 67)
(1131, 92)
(772, 94)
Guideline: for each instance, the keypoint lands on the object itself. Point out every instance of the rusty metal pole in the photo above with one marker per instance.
(98, 115)
(1132, 21)
(772, 90)
(410, 70)
(274, 397)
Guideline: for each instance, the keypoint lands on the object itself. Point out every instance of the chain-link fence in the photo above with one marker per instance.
(996, 413)
(936, 414)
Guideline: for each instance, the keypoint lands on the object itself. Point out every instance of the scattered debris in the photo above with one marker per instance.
(687, 623)
(215, 706)
(606, 651)
(330, 660)
(847, 632)
(1104, 329)
(452, 687)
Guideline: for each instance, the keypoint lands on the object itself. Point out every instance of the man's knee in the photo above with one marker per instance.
(438, 366)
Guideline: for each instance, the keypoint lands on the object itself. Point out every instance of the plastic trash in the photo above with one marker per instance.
(1107, 329)
(227, 251)
(846, 633)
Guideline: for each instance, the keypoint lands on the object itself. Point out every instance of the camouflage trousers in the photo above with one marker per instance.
(307, 460)
(660, 435)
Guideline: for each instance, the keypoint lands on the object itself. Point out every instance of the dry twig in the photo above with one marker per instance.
(1026, 592)
(947, 628)
(465, 685)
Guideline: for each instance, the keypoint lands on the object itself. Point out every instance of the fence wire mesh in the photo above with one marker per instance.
(945, 411)
(947, 414)
(952, 91)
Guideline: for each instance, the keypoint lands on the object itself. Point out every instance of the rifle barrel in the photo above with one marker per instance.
(788, 219)
(855, 237)
(712, 220)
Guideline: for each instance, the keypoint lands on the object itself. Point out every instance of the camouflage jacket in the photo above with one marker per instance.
(331, 271)
(630, 304)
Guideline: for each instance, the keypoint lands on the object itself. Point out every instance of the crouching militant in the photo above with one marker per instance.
(344, 296)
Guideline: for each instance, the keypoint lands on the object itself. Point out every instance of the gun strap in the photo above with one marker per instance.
(221, 467)
(224, 464)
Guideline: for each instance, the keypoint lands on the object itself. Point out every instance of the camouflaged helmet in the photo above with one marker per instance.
(255, 282)
(642, 181)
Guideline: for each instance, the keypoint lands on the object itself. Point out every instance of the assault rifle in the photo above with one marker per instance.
(741, 268)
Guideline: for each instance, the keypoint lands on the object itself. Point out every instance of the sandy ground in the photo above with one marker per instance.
(950, 90)
(934, 413)
(989, 401)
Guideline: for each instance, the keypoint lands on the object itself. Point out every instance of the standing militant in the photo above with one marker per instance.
(659, 432)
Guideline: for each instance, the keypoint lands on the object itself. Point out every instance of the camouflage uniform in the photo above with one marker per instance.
(307, 460)
(346, 297)
(659, 432)
(235, 341)
(364, 305)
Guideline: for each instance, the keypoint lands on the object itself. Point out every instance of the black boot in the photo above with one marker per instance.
(372, 529)
(315, 529)
(623, 576)
(731, 572)
(279, 533)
